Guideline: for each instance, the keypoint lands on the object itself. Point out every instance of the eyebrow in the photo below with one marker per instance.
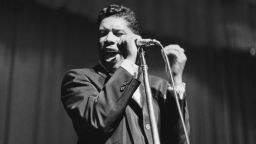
(117, 30)
(114, 30)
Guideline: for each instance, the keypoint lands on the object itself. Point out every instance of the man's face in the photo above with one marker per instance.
(111, 30)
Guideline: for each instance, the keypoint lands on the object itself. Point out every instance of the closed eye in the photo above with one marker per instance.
(119, 33)
(103, 33)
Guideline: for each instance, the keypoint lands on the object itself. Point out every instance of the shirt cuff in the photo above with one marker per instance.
(180, 89)
(130, 67)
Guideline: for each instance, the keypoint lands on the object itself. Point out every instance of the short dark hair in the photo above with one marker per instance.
(120, 11)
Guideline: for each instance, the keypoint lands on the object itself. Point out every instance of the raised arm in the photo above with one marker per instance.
(98, 110)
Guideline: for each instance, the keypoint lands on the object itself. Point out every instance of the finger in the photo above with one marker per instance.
(179, 55)
(177, 52)
(129, 38)
(175, 55)
(136, 38)
(173, 47)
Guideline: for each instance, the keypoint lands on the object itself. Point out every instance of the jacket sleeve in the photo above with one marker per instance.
(173, 130)
(94, 110)
(184, 109)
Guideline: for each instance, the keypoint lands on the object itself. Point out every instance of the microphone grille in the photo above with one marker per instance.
(146, 42)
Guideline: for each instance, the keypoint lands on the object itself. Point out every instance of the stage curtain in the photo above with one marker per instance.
(40, 40)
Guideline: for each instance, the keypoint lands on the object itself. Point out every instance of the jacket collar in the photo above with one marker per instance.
(102, 70)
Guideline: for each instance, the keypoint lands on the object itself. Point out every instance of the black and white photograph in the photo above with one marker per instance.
(128, 72)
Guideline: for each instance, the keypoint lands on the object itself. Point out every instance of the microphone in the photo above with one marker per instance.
(147, 42)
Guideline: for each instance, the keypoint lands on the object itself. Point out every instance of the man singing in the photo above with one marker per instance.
(107, 103)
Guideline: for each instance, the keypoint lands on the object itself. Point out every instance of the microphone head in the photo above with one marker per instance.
(146, 42)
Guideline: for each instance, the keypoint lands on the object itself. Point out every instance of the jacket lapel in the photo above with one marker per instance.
(101, 76)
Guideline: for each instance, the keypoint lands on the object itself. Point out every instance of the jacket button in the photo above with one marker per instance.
(122, 88)
(147, 126)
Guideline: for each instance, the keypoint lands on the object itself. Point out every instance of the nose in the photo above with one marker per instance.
(111, 38)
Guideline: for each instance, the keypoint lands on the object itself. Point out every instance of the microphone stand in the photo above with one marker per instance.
(153, 124)
(149, 94)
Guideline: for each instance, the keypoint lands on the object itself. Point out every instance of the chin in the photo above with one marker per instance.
(113, 67)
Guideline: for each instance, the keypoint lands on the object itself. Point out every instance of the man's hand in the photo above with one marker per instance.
(128, 47)
(177, 60)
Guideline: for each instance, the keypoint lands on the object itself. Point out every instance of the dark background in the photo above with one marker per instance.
(41, 39)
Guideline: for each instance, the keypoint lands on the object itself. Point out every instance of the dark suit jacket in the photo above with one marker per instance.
(103, 111)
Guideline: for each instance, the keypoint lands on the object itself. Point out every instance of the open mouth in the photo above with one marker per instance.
(110, 53)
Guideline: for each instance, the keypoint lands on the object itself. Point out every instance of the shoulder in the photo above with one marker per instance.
(78, 74)
(85, 72)
(92, 76)
(80, 71)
